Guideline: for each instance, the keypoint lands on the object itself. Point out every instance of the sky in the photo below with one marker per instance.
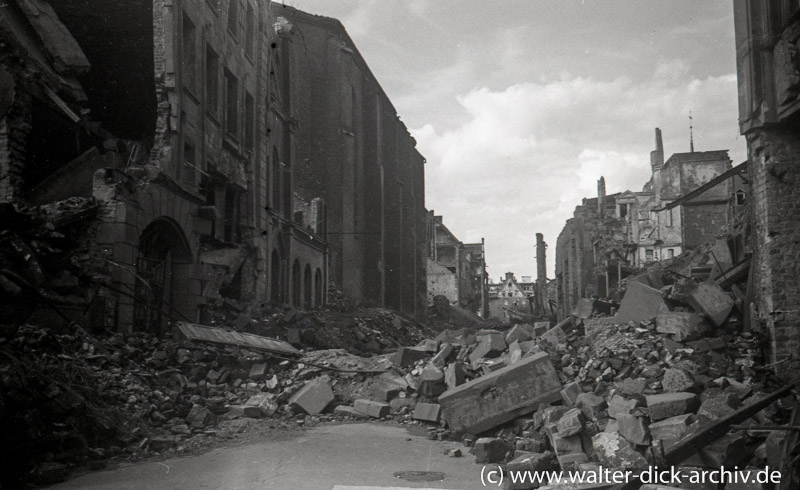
(520, 106)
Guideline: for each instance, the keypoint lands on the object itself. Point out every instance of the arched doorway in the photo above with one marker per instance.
(276, 284)
(307, 287)
(161, 246)
(296, 283)
(318, 288)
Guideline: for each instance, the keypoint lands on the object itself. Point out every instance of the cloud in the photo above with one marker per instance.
(526, 155)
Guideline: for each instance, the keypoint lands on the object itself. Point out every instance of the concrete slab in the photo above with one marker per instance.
(641, 303)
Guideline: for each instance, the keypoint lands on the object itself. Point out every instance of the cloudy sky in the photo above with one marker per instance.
(520, 106)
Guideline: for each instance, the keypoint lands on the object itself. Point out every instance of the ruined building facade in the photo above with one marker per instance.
(455, 270)
(690, 200)
(767, 44)
(224, 167)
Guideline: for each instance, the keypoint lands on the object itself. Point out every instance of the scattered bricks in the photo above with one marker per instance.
(615, 452)
(540, 328)
(619, 405)
(712, 300)
(373, 409)
(490, 346)
(199, 417)
(670, 405)
(348, 411)
(428, 412)
(503, 395)
(431, 381)
(718, 406)
(681, 325)
(407, 356)
(570, 462)
(384, 391)
(520, 333)
(634, 429)
(571, 392)
(566, 444)
(491, 450)
(672, 429)
(454, 375)
(314, 396)
(590, 404)
(676, 380)
(441, 358)
(264, 402)
(641, 303)
(514, 353)
(571, 423)
(258, 372)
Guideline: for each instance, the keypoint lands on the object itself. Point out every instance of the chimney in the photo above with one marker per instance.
(657, 155)
(541, 261)
(509, 276)
(601, 197)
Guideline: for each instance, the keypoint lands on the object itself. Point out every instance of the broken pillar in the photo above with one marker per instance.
(670, 405)
(501, 396)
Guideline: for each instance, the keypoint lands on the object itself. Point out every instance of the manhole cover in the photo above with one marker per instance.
(419, 475)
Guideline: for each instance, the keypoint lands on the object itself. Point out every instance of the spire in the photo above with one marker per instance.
(691, 133)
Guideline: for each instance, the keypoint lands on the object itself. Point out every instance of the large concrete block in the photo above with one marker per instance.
(669, 405)
(372, 408)
(681, 325)
(407, 356)
(501, 396)
(616, 452)
(490, 346)
(519, 333)
(710, 299)
(314, 396)
(428, 412)
(641, 303)
(672, 429)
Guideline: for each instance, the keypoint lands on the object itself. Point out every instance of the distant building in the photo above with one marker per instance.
(455, 270)
(508, 295)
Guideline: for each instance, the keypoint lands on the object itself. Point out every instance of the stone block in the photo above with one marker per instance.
(314, 396)
(348, 411)
(519, 333)
(514, 352)
(543, 461)
(571, 423)
(489, 346)
(429, 346)
(729, 451)
(590, 404)
(444, 354)
(539, 328)
(258, 372)
(716, 407)
(676, 380)
(651, 278)
(570, 462)
(571, 392)
(681, 325)
(632, 387)
(566, 444)
(407, 356)
(503, 395)
(394, 379)
(712, 300)
(454, 375)
(372, 408)
(583, 308)
(385, 391)
(528, 346)
(634, 429)
(669, 405)
(672, 429)
(264, 402)
(555, 335)
(428, 412)
(619, 405)
(431, 381)
(199, 417)
(616, 452)
(491, 450)
(641, 303)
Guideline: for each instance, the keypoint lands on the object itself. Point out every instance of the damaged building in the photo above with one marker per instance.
(767, 39)
(691, 199)
(455, 270)
(221, 169)
(342, 141)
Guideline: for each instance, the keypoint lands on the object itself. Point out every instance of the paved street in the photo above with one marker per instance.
(340, 457)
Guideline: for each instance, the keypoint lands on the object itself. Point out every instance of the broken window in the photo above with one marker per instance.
(669, 217)
(189, 60)
(231, 104)
(623, 210)
(232, 215)
(212, 81)
(233, 17)
(249, 117)
(741, 198)
(249, 31)
(648, 255)
(670, 253)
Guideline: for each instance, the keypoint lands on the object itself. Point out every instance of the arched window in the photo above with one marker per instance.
(307, 287)
(296, 283)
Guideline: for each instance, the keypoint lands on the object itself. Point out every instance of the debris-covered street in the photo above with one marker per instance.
(220, 266)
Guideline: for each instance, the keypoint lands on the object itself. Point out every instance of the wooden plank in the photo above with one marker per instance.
(501, 396)
(215, 335)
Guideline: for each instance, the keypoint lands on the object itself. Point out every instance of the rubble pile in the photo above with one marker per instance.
(618, 391)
